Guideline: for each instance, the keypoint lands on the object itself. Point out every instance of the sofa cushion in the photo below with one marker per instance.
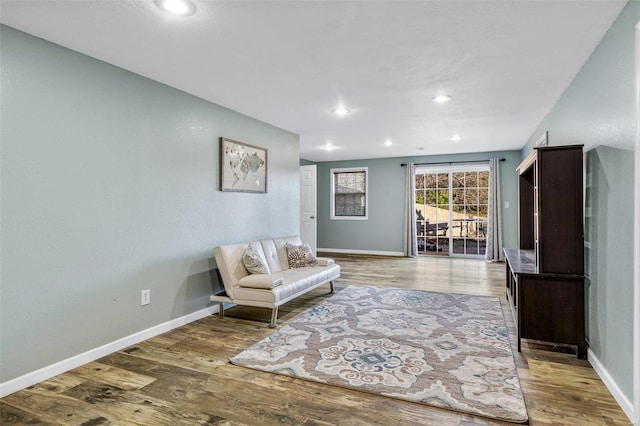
(300, 256)
(254, 261)
(275, 251)
(271, 254)
(263, 281)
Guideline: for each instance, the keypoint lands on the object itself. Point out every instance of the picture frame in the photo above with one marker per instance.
(243, 167)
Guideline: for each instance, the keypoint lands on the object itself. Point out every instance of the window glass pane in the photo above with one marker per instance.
(471, 210)
(483, 196)
(458, 245)
(422, 244)
(471, 196)
(443, 180)
(482, 229)
(458, 196)
(471, 179)
(350, 205)
(443, 245)
(419, 181)
(430, 196)
(483, 179)
(483, 211)
(443, 196)
(482, 247)
(457, 179)
(350, 183)
(471, 246)
(430, 180)
(441, 214)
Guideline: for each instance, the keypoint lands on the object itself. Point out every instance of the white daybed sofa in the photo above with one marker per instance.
(270, 290)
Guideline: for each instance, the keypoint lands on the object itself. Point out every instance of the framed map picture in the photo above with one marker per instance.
(243, 167)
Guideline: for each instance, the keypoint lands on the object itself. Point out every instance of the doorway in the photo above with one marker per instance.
(452, 206)
(308, 206)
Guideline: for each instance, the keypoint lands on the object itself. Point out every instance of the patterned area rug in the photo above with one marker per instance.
(445, 350)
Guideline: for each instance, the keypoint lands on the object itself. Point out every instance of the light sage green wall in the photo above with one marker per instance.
(110, 186)
(598, 110)
(598, 107)
(304, 162)
(384, 229)
(609, 260)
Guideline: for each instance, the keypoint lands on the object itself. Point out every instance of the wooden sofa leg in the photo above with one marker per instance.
(332, 289)
(274, 317)
(220, 310)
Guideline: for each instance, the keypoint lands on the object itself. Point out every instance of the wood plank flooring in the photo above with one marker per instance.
(183, 377)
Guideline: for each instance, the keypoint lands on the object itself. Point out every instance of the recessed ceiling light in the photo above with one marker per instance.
(441, 98)
(388, 143)
(340, 111)
(177, 7)
(455, 138)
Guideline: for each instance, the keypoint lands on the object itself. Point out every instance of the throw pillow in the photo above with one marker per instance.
(300, 256)
(254, 260)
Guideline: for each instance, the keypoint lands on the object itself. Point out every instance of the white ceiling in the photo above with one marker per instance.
(289, 63)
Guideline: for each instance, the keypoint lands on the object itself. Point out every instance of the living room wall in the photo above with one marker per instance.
(383, 232)
(598, 110)
(110, 186)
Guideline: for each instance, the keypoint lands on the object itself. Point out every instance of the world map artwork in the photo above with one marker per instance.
(244, 167)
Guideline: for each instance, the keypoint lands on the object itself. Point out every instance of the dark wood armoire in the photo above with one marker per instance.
(545, 274)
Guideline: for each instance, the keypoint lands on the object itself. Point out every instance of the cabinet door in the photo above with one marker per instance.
(552, 309)
(559, 191)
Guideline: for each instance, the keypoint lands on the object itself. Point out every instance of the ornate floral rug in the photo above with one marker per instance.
(445, 350)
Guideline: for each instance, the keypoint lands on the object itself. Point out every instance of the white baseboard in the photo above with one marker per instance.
(608, 381)
(371, 252)
(60, 367)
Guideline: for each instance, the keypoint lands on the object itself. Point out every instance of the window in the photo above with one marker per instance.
(349, 189)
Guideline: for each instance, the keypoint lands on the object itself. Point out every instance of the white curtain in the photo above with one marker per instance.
(410, 235)
(494, 228)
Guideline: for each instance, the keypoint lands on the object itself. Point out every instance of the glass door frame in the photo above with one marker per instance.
(450, 169)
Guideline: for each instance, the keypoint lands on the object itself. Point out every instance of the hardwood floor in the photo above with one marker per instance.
(183, 377)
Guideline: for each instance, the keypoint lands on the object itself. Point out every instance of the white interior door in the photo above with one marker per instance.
(308, 206)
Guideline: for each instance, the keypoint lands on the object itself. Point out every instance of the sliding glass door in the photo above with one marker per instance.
(451, 209)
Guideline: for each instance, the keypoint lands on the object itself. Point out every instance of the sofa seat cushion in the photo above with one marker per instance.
(264, 281)
(294, 281)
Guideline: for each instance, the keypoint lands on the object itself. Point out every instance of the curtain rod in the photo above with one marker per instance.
(451, 162)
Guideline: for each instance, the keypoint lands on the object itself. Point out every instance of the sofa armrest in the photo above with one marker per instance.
(260, 281)
(325, 261)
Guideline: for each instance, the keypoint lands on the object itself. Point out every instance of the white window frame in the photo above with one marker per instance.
(366, 193)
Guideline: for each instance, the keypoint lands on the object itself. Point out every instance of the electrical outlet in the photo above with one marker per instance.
(145, 297)
(506, 204)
